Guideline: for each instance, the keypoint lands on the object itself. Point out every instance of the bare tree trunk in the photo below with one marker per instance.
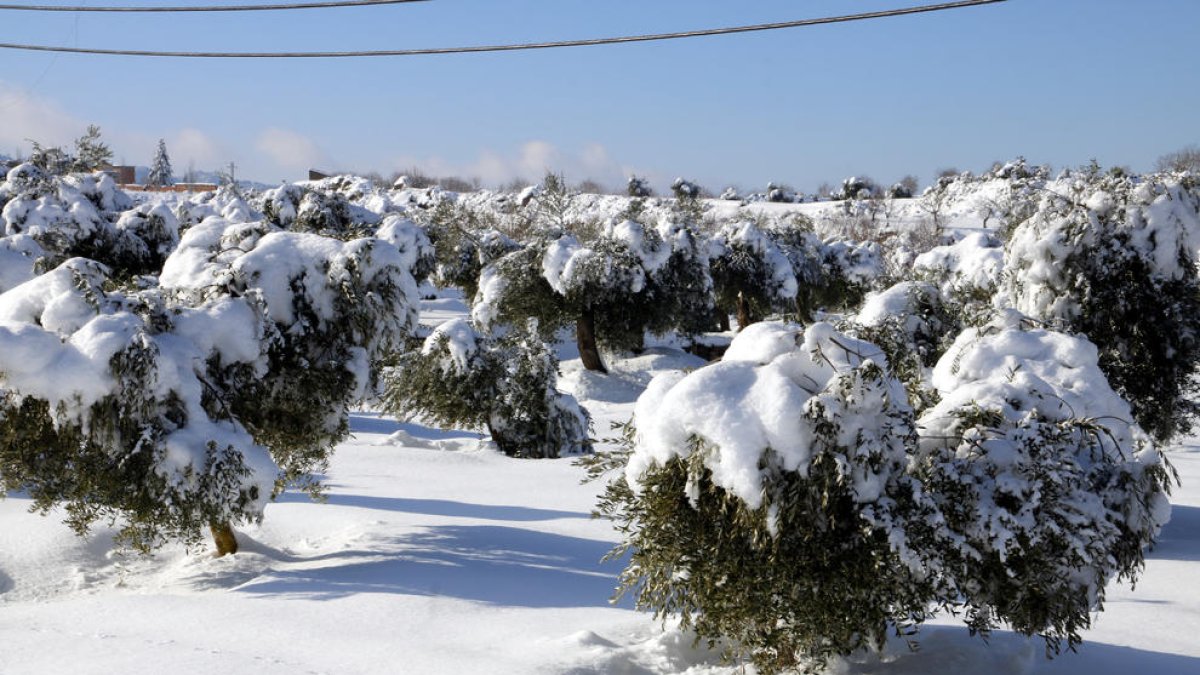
(222, 534)
(744, 317)
(585, 337)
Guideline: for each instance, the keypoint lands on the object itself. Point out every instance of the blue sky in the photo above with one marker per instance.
(1058, 81)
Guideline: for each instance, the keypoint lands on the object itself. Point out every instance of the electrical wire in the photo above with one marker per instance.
(510, 47)
(318, 4)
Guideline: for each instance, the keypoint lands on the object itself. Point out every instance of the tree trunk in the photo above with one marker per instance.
(585, 337)
(640, 347)
(222, 534)
(744, 317)
(722, 320)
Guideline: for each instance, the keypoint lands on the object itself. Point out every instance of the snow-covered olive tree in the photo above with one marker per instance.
(465, 240)
(682, 287)
(1115, 257)
(1046, 487)
(968, 274)
(112, 406)
(914, 325)
(85, 215)
(317, 209)
(751, 273)
(786, 500)
(765, 499)
(507, 384)
(605, 287)
(189, 404)
(330, 311)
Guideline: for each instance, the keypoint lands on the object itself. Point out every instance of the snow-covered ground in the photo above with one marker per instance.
(434, 553)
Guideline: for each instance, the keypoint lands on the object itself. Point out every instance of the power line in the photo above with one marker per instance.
(320, 4)
(512, 47)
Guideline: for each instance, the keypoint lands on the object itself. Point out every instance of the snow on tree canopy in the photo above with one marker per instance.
(417, 252)
(279, 263)
(75, 206)
(743, 410)
(1047, 487)
(897, 301)
(746, 239)
(1158, 219)
(1115, 257)
(18, 256)
(127, 378)
(860, 263)
(1020, 370)
(459, 340)
(974, 262)
(485, 307)
(226, 203)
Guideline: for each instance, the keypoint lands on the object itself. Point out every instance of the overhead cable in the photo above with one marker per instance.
(507, 47)
(316, 4)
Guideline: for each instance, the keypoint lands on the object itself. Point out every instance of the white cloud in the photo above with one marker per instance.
(538, 157)
(194, 146)
(25, 117)
(291, 151)
(529, 162)
(281, 153)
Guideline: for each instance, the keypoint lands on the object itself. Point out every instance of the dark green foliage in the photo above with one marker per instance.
(751, 274)
(687, 207)
(603, 285)
(682, 290)
(1148, 332)
(816, 287)
(858, 188)
(1039, 514)
(525, 294)
(530, 417)
(329, 214)
(465, 241)
(311, 365)
(460, 378)
(638, 187)
(825, 584)
(813, 572)
(105, 464)
(91, 154)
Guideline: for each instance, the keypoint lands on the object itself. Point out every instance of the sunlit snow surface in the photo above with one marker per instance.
(436, 554)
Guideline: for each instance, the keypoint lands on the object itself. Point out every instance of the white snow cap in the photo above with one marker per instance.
(742, 409)
(1015, 370)
(975, 261)
(461, 341)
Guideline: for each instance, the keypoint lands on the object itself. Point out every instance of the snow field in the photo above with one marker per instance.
(436, 554)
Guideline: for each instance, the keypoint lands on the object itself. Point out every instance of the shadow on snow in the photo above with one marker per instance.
(377, 423)
(1180, 538)
(496, 565)
(1098, 658)
(440, 507)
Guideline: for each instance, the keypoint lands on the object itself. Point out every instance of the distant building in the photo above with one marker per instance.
(122, 175)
